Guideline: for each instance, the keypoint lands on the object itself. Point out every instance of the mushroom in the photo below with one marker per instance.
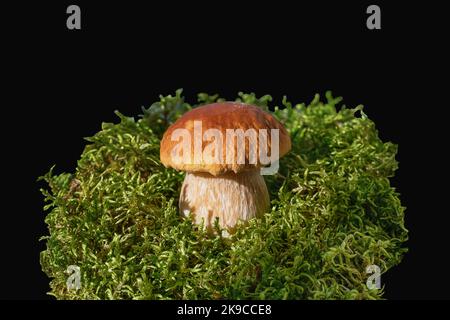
(223, 151)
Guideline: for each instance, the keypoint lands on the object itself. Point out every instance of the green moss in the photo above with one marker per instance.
(333, 213)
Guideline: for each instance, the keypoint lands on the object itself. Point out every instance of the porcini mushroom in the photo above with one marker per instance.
(223, 152)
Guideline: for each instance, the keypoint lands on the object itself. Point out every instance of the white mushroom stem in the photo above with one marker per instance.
(230, 197)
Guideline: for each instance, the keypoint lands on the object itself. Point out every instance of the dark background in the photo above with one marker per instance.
(64, 84)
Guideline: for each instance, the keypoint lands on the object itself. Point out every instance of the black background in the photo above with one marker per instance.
(65, 83)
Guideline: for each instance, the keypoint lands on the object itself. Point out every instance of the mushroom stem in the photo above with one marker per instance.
(230, 197)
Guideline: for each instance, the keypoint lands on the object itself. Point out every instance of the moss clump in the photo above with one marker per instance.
(333, 213)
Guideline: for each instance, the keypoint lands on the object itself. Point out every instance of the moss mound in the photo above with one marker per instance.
(333, 213)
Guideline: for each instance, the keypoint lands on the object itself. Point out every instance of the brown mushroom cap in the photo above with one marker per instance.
(223, 116)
